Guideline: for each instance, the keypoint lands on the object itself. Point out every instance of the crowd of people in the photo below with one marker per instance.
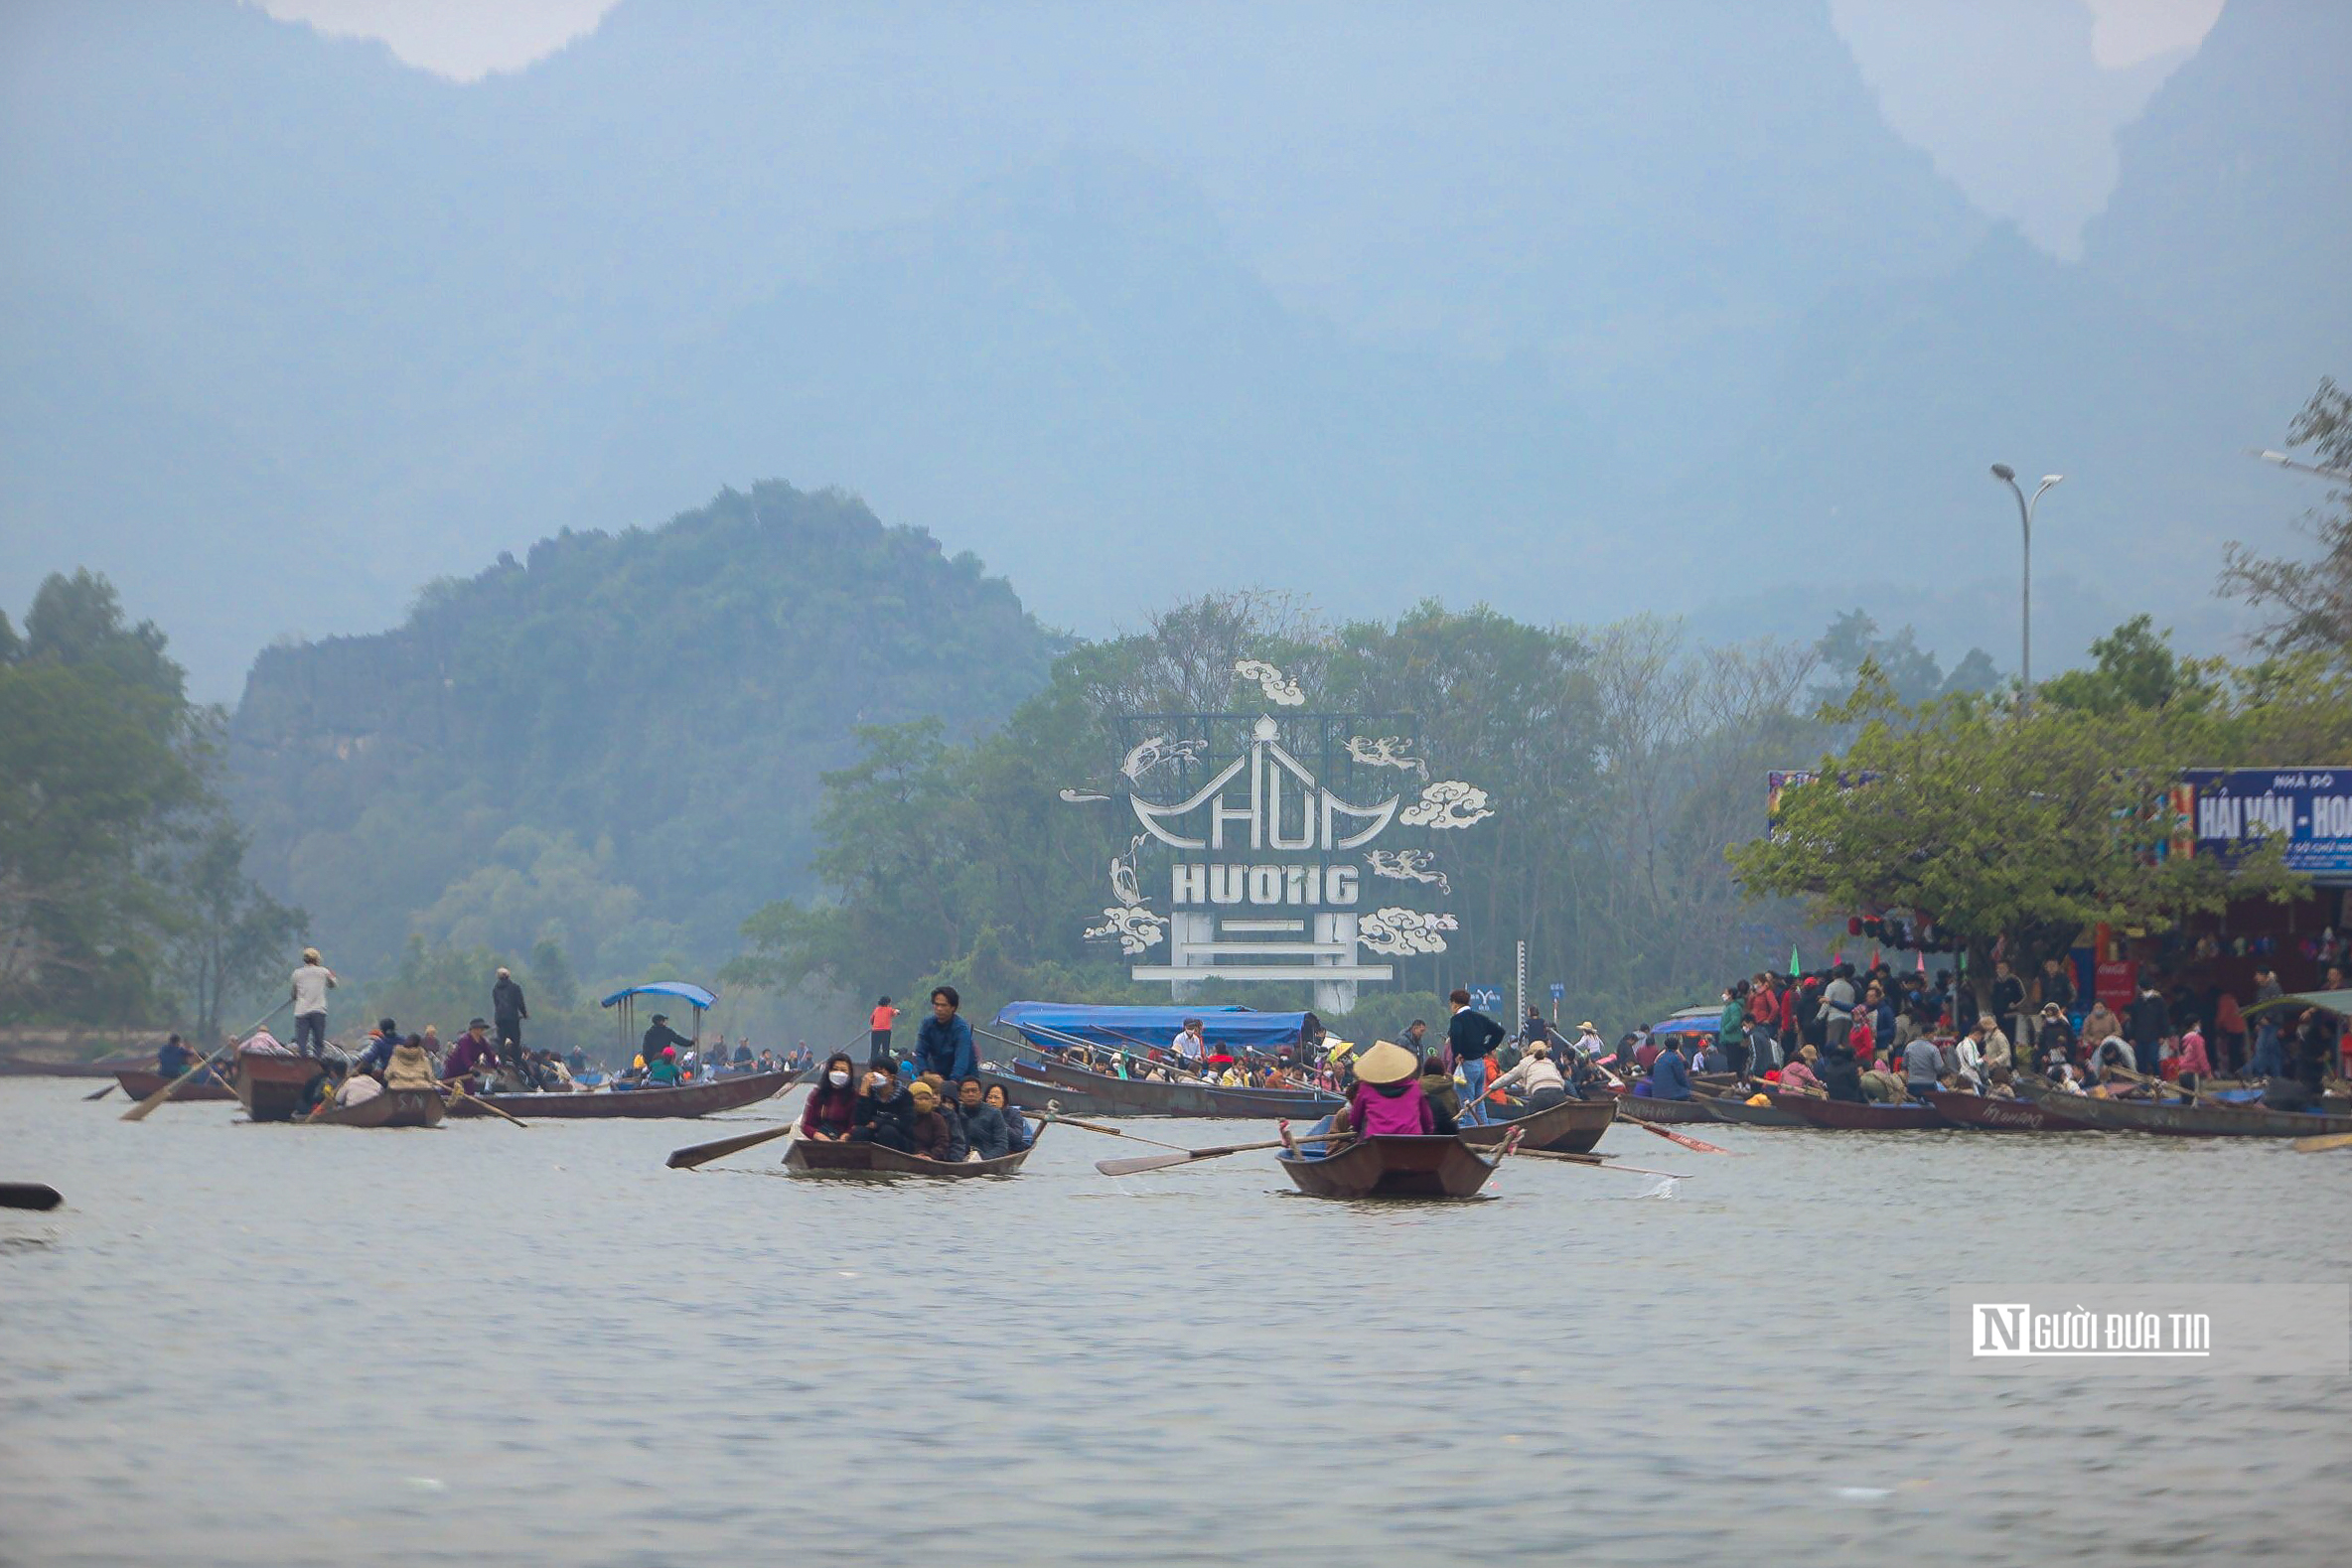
(1872, 1035)
(901, 1105)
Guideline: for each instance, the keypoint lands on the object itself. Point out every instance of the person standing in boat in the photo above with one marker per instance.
(878, 1027)
(1471, 1037)
(311, 983)
(944, 1044)
(506, 1007)
(660, 1037)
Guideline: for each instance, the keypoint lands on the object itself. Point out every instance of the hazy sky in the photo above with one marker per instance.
(2016, 101)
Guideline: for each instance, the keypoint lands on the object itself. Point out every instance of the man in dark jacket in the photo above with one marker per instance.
(506, 1006)
(944, 1044)
(1841, 1077)
(2147, 1022)
(1472, 1037)
(1670, 1077)
(660, 1037)
(885, 1114)
(984, 1132)
(2009, 1003)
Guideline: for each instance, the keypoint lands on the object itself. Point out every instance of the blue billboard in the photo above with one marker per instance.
(2222, 811)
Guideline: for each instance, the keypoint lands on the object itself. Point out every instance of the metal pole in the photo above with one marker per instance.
(1520, 1014)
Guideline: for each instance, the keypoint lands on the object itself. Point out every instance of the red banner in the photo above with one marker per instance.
(2117, 983)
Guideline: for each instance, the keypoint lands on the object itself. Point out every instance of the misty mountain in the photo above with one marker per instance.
(613, 743)
(1570, 308)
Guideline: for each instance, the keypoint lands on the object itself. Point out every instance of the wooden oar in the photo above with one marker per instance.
(1162, 1162)
(2323, 1142)
(102, 1093)
(1595, 1161)
(1057, 1118)
(1685, 1139)
(462, 1092)
(28, 1195)
(147, 1106)
(705, 1153)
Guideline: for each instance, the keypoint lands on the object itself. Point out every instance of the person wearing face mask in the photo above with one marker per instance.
(833, 1104)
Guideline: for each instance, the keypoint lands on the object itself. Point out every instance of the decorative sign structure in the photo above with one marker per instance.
(1269, 837)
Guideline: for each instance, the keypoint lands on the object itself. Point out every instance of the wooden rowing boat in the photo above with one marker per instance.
(392, 1108)
(808, 1157)
(1418, 1167)
(1570, 1127)
(688, 1100)
(273, 1085)
(22, 1067)
(1848, 1116)
(139, 1082)
(1142, 1097)
(1727, 1106)
(1990, 1114)
(1641, 1107)
(2182, 1119)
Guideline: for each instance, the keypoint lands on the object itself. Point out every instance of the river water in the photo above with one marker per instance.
(478, 1344)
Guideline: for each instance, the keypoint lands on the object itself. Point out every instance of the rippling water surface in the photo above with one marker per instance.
(278, 1344)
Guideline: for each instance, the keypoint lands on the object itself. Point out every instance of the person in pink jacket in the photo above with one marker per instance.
(1388, 1101)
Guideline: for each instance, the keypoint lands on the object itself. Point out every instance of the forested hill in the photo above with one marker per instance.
(615, 743)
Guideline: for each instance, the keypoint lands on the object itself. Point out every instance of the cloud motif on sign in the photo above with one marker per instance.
(1387, 750)
(1279, 691)
(1155, 750)
(1408, 865)
(1397, 933)
(1449, 802)
(1136, 928)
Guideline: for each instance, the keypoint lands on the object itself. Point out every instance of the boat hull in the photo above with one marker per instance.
(1641, 1107)
(691, 1099)
(1418, 1167)
(392, 1108)
(1846, 1116)
(139, 1082)
(1032, 1090)
(1138, 1098)
(1570, 1127)
(1986, 1113)
(809, 1157)
(2181, 1120)
(273, 1088)
(1729, 1107)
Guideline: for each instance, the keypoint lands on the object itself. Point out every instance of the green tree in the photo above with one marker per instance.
(101, 772)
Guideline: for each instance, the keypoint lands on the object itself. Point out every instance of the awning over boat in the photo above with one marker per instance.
(2336, 1002)
(1690, 1021)
(684, 992)
(1134, 1028)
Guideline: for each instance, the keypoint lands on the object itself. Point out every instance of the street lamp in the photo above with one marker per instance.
(2009, 476)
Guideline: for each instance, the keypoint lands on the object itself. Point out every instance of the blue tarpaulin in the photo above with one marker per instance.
(1136, 1028)
(680, 989)
(1690, 1021)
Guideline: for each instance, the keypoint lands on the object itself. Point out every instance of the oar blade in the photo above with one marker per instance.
(705, 1153)
(102, 1093)
(1142, 1163)
(29, 1194)
(2323, 1142)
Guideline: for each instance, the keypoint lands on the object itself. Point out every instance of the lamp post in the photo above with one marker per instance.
(2009, 476)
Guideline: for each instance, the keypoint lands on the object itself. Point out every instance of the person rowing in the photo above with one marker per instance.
(1536, 1077)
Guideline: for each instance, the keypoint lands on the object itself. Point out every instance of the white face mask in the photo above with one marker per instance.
(837, 1080)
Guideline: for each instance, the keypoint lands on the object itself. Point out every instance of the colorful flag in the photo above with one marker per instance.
(1794, 969)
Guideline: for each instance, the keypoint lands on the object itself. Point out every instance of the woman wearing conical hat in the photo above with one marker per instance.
(1388, 1101)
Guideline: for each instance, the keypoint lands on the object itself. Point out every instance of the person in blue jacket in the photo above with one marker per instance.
(944, 1044)
(1670, 1077)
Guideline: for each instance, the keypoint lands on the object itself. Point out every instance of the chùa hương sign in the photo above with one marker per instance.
(1274, 841)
